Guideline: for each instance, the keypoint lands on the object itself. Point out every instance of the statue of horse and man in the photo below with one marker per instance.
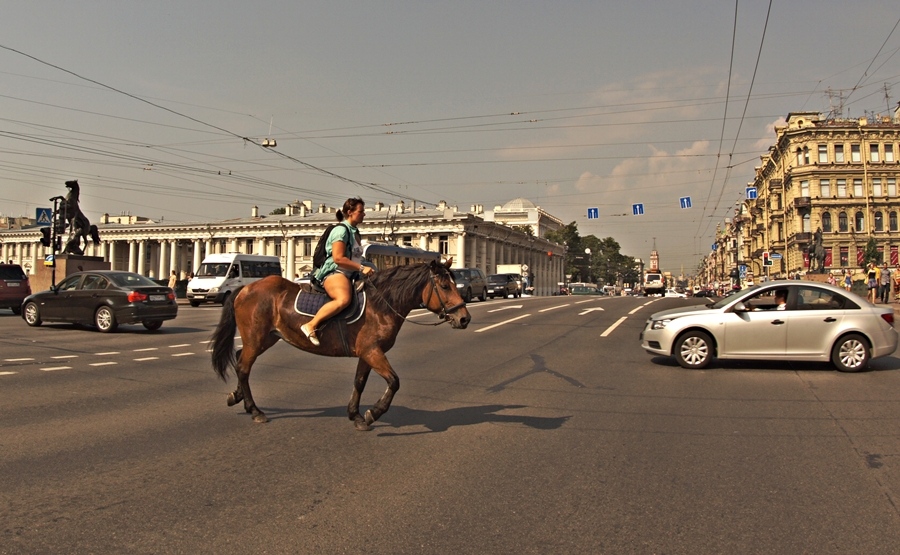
(72, 218)
(817, 254)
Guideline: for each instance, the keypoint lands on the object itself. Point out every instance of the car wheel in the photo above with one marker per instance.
(32, 314)
(483, 295)
(195, 304)
(468, 296)
(152, 325)
(694, 350)
(851, 353)
(105, 319)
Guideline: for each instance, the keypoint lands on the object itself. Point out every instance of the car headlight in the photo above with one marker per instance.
(660, 324)
(213, 289)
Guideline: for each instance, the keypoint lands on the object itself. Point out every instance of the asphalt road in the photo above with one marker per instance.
(542, 428)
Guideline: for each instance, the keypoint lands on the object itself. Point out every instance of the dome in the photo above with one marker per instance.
(519, 205)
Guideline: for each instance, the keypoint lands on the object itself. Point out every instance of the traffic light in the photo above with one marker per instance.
(767, 260)
(550, 254)
(45, 236)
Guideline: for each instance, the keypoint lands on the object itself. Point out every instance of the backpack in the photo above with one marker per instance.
(319, 255)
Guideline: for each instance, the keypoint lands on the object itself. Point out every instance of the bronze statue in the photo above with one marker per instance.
(817, 254)
(78, 225)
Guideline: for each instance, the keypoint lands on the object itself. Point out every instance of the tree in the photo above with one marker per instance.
(526, 229)
(871, 253)
(281, 210)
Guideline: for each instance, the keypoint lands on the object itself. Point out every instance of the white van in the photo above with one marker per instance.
(220, 274)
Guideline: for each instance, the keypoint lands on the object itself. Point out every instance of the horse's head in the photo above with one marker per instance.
(441, 296)
(72, 184)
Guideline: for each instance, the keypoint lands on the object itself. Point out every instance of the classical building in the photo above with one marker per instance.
(473, 239)
(837, 175)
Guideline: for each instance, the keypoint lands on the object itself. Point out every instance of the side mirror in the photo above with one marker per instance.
(740, 307)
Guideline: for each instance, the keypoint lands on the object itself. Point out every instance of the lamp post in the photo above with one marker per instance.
(590, 267)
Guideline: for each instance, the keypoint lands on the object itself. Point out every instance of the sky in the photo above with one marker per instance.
(159, 109)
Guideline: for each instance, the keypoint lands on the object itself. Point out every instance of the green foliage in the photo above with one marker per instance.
(871, 252)
(604, 264)
(281, 210)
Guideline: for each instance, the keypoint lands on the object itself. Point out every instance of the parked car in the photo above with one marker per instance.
(819, 322)
(470, 282)
(104, 299)
(704, 293)
(503, 285)
(674, 293)
(14, 287)
(585, 290)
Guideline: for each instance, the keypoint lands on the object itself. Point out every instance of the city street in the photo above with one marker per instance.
(542, 428)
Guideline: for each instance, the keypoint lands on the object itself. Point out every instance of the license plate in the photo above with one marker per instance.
(156, 298)
(12, 283)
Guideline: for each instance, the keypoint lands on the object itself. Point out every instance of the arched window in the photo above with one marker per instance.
(859, 222)
(826, 222)
(892, 221)
(879, 221)
(842, 222)
(806, 226)
(799, 156)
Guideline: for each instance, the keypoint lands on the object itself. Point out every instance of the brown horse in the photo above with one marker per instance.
(263, 312)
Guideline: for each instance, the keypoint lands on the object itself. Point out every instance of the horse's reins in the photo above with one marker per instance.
(444, 314)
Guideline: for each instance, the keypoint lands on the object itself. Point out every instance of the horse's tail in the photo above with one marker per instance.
(95, 234)
(222, 339)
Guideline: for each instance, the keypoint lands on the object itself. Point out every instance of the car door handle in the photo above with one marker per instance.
(830, 319)
(777, 322)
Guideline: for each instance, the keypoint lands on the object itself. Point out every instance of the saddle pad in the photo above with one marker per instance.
(309, 302)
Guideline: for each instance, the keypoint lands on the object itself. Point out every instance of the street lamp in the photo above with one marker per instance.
(590, 268)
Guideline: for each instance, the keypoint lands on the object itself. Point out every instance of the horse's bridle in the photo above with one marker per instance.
(445, 311)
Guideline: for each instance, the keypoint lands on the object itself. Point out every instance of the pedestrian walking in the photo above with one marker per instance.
(884, 285)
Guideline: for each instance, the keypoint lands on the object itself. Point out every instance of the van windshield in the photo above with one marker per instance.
(210, 269)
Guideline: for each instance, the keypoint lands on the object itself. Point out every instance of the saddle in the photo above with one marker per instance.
(312, 296)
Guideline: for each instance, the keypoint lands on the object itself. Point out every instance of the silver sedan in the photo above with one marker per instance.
(781, 320)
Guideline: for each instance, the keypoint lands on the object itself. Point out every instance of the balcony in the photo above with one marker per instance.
(803, 238)
(802, 202)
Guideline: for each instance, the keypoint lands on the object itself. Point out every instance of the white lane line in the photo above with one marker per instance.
(182, 354)
(205, 342)
(177, 346)
(109, 353)
(52, 368)
(635, 310)
(610, 329)
(553, 307)
(145, 359)
(6, 373)
(65, 356)
(109, 363)
(146, 349)
(503, 323)
(587, 301)
(17, 359)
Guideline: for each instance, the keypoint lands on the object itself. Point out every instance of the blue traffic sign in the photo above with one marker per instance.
(637, 209)
(593, 213)
(685, 202)
(751, 193)
(44, 216)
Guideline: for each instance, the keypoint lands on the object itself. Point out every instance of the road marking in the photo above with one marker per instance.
(109, 353)
(65, 356)
(586, 301)
(506, 308)
(52, 368)
(635, 310)
(17, 359)
(145, 359)
(177, 346)
(610, 329)
(108, 363)
(553, 307)
(503, 323)
(583, 312)
(182, 354)
(147, 349)
(6, 373)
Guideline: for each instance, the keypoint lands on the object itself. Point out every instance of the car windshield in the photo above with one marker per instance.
(723, 302)
(131, 280)
(210, 269)
(498, 279)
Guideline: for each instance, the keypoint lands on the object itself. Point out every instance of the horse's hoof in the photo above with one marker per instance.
(369, 418)
(231, 400)
(260, 418)
(361, 426)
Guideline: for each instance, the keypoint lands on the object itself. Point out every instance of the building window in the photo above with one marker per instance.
(873, 153)
(277, 247)
(248, 248)
(842, 222)
(854, 153)
(845, 255)
(806, 226)
(839, 153)
(841, 187)
(799, 157)
(804, 188)
(826, 222)
(407, 240)
(892, 221)
(892, 187)
(307, 246)
(876, 187)
(888, 153)
(823, 154)
(825, 188)
(859, 222)
(444, 244)
(879, 221)
(857, 188)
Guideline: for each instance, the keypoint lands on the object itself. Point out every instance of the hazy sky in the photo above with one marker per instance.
(572, 105)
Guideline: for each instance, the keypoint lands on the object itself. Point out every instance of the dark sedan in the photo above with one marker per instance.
(103, 298)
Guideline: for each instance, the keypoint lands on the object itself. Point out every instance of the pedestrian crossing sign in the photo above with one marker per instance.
(44, 216)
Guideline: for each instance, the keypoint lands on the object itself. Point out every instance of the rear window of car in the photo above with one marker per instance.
(501, 278)
(131, 280)
(14, 273)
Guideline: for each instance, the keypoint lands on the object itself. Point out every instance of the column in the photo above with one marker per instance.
(132, 256)
(198, 255)
(461, 250)
(111, 254)
(162, 262)
(173, 259)
(289, 253)
(142, 256)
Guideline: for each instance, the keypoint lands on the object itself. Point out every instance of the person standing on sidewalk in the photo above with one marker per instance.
(884, 285)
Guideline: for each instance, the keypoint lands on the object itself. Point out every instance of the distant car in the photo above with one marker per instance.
(704, 293)
(470, 282)
(502, 285)
(14, 287)
(585, 290)
(674, 293)
(819, 322)
(104, 299)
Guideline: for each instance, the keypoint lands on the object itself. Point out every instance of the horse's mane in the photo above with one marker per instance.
(400, 285)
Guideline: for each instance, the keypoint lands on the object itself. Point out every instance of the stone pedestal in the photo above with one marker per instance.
(65, 264)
